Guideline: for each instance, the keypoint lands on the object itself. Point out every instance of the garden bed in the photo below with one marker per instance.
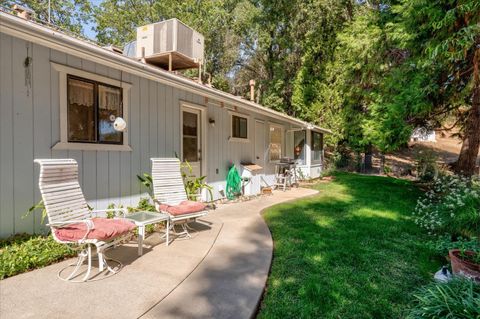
(21, 253)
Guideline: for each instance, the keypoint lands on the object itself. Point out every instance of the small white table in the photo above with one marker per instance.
(144, 218)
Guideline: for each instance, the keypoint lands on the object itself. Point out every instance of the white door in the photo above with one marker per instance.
(260, 149)
(192, 139)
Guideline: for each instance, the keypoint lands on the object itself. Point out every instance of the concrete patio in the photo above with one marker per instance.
(220, 273)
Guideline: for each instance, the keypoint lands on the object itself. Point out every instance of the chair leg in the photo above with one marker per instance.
(185, 230)
(89, 269)
(87, 254)
(81, 258)
(101, 262)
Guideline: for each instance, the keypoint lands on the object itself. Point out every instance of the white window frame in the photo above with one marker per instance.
(313, 160)
(304, 151)
(239, 139)
(64, 144)
(281, 127)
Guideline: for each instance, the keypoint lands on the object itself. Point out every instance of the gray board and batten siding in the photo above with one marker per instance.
(30, 127)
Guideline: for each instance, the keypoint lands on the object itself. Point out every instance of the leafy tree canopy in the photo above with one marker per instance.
(69, 15)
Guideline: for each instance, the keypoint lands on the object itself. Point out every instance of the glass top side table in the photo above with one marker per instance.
(144, 218)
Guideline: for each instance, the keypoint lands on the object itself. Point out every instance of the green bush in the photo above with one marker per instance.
(22, 252)
(427, 167)
(459, 298)
(452, 207)
(443, 244)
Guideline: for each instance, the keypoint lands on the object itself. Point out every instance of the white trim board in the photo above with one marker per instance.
(64, 144)
(184, 105)
(238, 139)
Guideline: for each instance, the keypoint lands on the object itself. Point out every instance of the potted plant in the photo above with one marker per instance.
(465, 262)
(451, 207)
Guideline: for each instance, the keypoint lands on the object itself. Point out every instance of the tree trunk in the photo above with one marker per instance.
(368, 158)
(467, 159)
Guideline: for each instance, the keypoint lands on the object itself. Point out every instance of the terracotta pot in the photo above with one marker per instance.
(464, 267)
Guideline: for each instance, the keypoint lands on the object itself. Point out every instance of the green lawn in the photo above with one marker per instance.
(352, 251)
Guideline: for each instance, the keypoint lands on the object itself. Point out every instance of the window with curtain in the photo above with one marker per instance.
(317, 146)
(276, 142)
(299, 138)
(239, 127)
(92, 109)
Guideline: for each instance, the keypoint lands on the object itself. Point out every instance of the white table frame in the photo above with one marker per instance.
(162, 217)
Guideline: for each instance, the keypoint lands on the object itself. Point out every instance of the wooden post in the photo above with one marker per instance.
(200, 72)
(252, 90)
(170, 62)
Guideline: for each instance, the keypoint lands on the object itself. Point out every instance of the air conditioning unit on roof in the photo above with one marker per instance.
(170, 44)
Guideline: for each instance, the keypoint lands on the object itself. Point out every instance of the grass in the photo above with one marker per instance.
(352, 251)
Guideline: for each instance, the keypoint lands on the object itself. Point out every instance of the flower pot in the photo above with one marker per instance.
(464, 267)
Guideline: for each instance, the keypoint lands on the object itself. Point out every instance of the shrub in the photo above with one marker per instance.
(445, 243)
(458, 298)
(426, 164)
(452, 206)
(342, 157)
(21, 253)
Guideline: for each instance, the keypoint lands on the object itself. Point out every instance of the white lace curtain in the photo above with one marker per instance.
(80, 93)
(109, 97)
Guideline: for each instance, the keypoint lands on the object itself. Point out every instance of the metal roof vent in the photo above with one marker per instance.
(23, 12)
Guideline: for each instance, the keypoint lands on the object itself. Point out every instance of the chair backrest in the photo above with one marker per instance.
(61, 193)
(167, 179)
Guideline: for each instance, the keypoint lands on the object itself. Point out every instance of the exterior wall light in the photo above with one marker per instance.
(119, 124)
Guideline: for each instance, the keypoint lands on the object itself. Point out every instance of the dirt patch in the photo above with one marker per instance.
(402, 163)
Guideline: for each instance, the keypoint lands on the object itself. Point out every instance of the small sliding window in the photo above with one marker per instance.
(92, 107)
(239, 127)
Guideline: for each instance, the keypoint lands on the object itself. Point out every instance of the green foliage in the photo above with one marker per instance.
(220, 22)
(352, 251)
(452, 206)
(71, 15)
(35, 207)
(147, 182)
(194, 184)
(427, 167)
(113, 214)
(459, 298)
(21, 253)
(342, 157)
(443, 244)
(144, 204)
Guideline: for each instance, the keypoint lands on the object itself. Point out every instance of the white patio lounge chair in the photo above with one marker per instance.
(170, 196)
(72, 221)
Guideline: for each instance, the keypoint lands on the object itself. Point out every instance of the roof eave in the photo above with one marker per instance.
(43, 35)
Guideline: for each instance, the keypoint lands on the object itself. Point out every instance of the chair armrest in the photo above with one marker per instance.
(68, 222)
(119, 209)
(156, 204)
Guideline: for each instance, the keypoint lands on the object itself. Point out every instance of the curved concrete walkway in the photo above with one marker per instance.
(220, 273)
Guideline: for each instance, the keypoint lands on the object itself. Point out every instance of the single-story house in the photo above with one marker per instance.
(422, 134)
(59, 95)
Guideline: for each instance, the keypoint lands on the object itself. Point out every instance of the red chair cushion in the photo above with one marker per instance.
(104, 229)
(184, 208)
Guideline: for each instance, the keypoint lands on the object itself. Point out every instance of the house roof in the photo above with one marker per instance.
(58, 39)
